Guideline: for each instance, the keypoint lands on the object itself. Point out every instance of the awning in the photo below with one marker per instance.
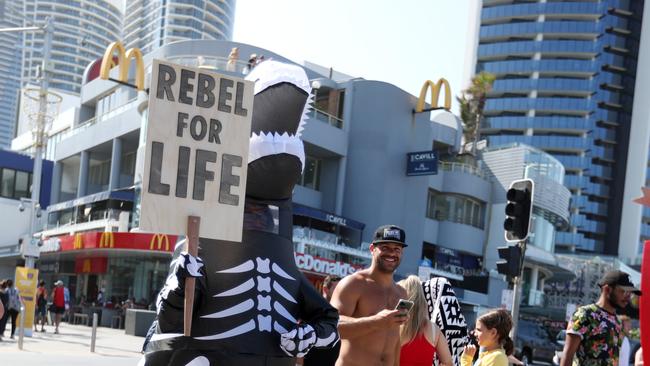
(117, 195)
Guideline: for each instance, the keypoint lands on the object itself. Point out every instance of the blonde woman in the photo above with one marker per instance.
(421, 339)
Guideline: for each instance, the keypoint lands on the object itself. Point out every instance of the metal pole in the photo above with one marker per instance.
(516, 297)
(40, 135)
(93, 337)
(21, 331)
(515, 307)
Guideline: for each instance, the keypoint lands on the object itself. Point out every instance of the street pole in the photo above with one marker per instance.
(40, 137)
(516, 296)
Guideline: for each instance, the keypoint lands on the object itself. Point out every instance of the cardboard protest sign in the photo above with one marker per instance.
(197, 138)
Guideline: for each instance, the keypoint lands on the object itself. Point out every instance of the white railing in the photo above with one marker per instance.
(463, 168)
(84, 226)
(325, 117)
(92, 121)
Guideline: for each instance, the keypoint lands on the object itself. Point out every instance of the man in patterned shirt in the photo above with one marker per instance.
(594, 332)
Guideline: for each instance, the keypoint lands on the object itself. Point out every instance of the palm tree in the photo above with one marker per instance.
(472, 103)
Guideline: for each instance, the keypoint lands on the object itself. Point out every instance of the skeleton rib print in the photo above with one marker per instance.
(266, 306)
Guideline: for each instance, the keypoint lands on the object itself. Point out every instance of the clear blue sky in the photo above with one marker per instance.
(400, 42)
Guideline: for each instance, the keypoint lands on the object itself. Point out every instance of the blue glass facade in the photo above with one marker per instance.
(565, 84)
(10, 61)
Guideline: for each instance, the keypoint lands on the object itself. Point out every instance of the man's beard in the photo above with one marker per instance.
(611, 298)
(385, 269)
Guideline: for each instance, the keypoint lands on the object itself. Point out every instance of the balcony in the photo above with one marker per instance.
(93, 121)
(463, 168)
(322, 116)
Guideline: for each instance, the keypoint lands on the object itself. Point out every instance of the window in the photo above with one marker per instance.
(15, 184)
(455, 208)
(311, 176)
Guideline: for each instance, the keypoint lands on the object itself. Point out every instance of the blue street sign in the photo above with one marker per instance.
(422, 163)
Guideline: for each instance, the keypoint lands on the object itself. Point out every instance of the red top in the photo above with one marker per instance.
(59, 297)
(418, 352)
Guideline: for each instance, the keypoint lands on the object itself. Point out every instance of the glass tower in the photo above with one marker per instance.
(10, 62)
(82, 31)
(565, 84)
(151, 23)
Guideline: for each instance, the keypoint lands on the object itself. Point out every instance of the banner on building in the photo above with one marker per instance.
(307, 262)
(196, 157)
(26, 280)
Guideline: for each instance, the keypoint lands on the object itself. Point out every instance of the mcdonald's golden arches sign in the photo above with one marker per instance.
(123, 62)
(107, 240)
(435, 95)
(78, 242)
(117, 240)
(157, 241)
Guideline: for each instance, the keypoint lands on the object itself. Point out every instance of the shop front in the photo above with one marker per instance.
(327, 244)
(105, 269)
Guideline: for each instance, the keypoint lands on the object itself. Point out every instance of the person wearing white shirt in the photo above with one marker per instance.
(624, 352)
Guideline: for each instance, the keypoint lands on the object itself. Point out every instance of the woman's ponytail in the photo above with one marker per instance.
(508, 345)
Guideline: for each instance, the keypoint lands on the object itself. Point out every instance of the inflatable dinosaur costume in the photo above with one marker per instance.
(252, 305)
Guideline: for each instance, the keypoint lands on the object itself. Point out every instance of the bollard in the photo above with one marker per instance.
(94, 334)
(21, 330)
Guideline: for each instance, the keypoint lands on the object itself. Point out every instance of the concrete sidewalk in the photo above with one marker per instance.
(72, 347)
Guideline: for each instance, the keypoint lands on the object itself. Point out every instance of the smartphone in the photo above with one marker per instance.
(403, 304)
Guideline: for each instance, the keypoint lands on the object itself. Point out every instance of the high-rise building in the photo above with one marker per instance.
(10, 62)
(149, 24)
(83, 29)
(565, 83)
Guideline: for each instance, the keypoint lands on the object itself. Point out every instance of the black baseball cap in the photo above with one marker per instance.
(390, 234)
(619, 279)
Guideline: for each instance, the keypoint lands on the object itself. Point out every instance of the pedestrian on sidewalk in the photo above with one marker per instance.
(58, 302)
(13, 308)
(4, 300)
(420, 338)
(41, 306)
(491, 332)
(594, 335)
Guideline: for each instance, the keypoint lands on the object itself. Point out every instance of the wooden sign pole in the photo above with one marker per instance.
(192, 247)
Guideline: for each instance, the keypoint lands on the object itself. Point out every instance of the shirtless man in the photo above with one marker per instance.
(368, 323)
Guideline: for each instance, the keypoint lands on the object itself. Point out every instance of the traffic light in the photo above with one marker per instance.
(510, 263)
(518, 209)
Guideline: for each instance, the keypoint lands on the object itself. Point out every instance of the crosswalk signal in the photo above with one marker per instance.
(510, 263)
(518, 210)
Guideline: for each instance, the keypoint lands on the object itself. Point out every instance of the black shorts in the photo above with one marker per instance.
(41, 310)
(59, 309)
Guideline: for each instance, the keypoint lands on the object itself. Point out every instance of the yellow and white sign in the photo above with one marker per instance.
(26, 280)
(196, 157)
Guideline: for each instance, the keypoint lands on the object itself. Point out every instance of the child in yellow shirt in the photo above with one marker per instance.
(491, 331)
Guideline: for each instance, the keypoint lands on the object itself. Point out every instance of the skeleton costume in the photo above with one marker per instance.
(252, 305)
(444, 308)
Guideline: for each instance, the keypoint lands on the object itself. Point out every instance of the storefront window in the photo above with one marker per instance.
(455, 208)
(14, 183)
